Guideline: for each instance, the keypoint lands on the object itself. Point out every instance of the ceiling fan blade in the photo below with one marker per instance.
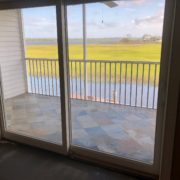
(110, 4)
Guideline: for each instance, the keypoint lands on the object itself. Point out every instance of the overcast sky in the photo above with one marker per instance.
(136, 18)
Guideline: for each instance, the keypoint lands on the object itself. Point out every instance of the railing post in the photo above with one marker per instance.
(114, 96)
(84, 48)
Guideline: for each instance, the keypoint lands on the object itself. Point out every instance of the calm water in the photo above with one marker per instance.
(126, 94)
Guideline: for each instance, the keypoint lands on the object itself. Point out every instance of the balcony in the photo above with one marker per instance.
(113, 105)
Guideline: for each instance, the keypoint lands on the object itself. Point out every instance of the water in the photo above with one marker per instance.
(126, 94)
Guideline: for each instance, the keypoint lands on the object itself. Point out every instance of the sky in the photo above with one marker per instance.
(130, 18)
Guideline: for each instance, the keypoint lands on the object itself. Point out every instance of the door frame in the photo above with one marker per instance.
(170, 138)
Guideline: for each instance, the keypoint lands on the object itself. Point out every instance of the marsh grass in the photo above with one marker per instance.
(112, 52)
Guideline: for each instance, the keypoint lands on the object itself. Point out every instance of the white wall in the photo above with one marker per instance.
(12, 58)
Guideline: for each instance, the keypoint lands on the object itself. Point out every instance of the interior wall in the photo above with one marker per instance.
(12, 57)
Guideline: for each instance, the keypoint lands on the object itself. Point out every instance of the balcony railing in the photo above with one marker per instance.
(133, 83)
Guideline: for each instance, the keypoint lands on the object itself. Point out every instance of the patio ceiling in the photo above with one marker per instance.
(17, 4)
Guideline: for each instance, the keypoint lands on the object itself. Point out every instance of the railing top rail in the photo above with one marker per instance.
(41, 59)
(97, 61)
(118, 61)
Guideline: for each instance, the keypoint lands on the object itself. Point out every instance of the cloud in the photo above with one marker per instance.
(138, 27)
(140, 1)
(40, 21)
(102, 25)
(161, 4)
(132, 3)
(150, 24)
(156, 18)
(40, 27)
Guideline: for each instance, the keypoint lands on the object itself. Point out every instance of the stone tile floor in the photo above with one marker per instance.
(120, 130)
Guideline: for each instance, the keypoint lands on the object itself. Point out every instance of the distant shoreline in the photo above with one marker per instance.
(72, 41)
(125, 40)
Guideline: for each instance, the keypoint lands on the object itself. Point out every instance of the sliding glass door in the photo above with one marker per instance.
(96, 96)
(30, 76)
(114, 67)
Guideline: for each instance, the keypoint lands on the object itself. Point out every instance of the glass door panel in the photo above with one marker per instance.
(114, 80)
(31, 83)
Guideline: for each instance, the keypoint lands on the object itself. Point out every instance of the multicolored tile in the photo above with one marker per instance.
(121, 130)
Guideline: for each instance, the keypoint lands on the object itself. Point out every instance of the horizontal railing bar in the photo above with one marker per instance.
(96, 61)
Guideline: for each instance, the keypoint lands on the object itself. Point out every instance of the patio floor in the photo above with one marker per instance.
(120, 130)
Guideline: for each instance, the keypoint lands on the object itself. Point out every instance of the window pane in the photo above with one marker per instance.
(31, 86)
(114, 88)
